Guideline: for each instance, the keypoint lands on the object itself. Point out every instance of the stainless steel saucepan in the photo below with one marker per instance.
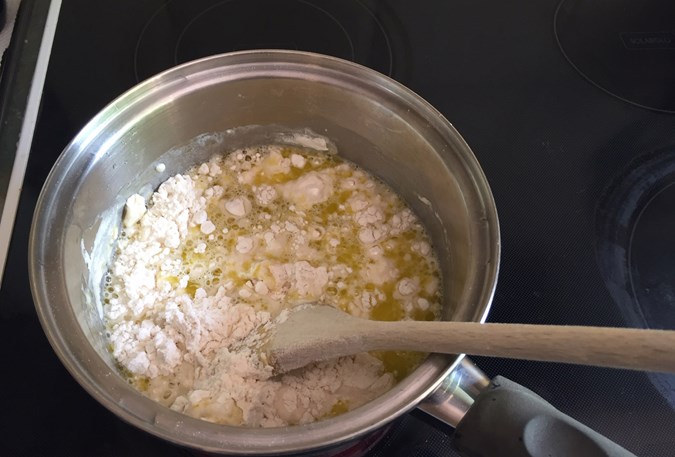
(245, 98)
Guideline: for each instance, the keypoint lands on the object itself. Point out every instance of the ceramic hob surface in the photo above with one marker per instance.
(567, 107)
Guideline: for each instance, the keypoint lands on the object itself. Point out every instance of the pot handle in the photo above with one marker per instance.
(503, 418)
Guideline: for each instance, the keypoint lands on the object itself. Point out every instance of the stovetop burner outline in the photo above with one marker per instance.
(381, 55)
(212, 7)
(624, 218)
(631, 98)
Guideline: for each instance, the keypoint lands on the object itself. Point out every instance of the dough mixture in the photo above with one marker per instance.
(226, 247)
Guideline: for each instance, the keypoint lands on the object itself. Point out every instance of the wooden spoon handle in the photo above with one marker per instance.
(639, 349)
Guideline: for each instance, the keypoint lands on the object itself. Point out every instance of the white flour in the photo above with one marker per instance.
(229, 246)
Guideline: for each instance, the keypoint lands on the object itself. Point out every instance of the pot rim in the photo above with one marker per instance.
(132, 406)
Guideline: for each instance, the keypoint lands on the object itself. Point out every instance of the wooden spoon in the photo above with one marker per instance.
(312, 333)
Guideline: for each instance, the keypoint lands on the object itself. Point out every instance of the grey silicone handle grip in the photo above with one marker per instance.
(508, 420)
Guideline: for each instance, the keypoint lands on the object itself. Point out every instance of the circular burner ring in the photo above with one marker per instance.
(626, 48)
(635, 220)
(180, 31)
(194, 20)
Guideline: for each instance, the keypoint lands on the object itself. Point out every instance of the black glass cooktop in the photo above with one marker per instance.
(580, 155)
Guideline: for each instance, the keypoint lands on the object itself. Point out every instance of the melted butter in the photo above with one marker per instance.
(314, 162)
(387, 310)
(400, 363)
(142, 383)
(340, 407)
(191, 288)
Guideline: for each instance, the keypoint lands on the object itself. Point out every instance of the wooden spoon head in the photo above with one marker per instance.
(304, 335)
